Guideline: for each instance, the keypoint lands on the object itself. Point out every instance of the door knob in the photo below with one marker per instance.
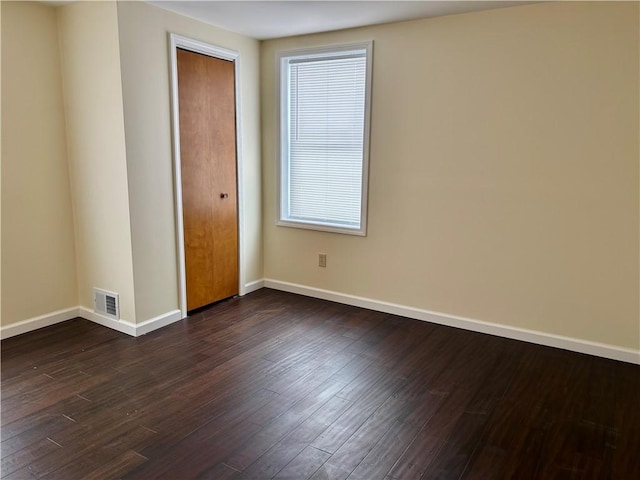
(224, 195)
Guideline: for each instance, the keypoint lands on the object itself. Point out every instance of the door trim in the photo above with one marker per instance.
(178, 41)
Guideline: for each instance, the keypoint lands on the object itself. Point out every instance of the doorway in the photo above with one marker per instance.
(204, 81)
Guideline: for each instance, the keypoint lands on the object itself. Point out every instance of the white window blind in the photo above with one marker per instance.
(323, 136)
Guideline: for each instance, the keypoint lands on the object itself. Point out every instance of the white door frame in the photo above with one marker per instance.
(177, 41)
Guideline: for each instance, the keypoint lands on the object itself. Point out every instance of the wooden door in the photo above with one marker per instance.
(206, 96)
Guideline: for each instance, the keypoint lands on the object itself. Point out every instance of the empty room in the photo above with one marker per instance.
(326, 240)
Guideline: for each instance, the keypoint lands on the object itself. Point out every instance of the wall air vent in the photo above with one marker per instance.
(106, 303)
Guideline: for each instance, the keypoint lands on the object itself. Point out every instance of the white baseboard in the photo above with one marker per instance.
(38, 322)
(158, 322)
(531, 336)
(253, 286)
(133, 329)
(120, 325)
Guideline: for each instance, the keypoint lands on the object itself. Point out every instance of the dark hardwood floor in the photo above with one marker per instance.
(274, 385)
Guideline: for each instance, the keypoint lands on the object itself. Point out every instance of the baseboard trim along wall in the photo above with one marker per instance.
(121, 325)
(133, 329)
(124, 326)
(158, 322)
(515, 333)
(253, 286)
(38, 322)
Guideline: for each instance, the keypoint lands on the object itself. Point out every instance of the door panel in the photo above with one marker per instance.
(206, 96)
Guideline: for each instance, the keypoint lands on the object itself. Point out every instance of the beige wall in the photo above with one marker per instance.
(504, 171)
(144, 52)
(114, 62)
(38, 259)
(97, 157)
(504, 182)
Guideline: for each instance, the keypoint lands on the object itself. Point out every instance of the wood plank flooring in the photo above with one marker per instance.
(280, 386)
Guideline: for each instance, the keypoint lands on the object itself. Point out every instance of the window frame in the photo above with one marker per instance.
(282, 117)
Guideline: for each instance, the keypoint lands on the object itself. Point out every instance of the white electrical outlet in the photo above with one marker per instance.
(322, 260)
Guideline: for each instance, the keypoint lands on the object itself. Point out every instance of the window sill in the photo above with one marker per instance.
(361, 232)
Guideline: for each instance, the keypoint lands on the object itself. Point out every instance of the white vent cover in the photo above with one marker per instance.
(106, 303)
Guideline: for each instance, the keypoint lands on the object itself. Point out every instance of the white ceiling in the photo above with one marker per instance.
(273, 19)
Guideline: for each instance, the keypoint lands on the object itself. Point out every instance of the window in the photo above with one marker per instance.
(324, 136)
